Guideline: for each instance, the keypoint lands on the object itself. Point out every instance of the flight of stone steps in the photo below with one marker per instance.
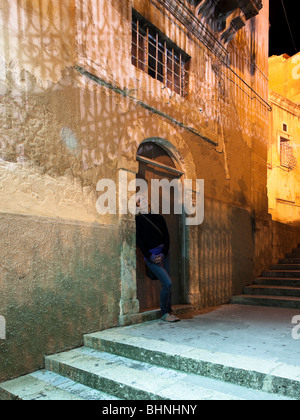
(277, 287)
(113, 365)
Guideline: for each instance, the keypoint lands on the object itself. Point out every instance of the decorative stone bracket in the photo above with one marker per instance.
(234, 23)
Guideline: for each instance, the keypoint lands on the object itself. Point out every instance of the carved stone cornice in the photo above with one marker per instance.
(250, 8)
(225, 17)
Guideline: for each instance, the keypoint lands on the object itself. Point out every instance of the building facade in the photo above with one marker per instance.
(284, 140)
(125, 90)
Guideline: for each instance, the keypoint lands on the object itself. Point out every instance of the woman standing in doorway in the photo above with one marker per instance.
(152, 237)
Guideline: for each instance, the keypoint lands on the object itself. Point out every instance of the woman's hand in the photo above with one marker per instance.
(157, 259)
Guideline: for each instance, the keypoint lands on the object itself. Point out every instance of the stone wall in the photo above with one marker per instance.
(59, 280)
(285, 237)
(222, 262)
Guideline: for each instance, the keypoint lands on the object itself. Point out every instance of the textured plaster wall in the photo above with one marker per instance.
(60, 125)
(52, 155)
(57, 282)
(224, 254)
(60, 265)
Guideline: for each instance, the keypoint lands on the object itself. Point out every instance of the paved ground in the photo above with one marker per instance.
(253, 331)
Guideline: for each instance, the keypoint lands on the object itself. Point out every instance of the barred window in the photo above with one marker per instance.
(287, 158)
(158, 56)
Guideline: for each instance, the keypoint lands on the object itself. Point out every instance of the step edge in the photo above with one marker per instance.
(133, 390)
(268, 297)
(14, 389)
(194, 356)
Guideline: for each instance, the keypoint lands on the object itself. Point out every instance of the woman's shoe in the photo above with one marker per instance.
(169, 318)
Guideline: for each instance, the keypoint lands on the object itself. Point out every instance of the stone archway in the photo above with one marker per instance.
(165, 134)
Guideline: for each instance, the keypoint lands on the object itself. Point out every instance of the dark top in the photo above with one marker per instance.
(148, 237)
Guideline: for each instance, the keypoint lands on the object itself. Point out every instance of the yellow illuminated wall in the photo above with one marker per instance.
(284, 167)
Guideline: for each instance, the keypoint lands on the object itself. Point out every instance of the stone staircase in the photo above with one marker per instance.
(277, 287)
(114, 365)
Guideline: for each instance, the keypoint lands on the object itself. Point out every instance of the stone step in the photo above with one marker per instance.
(271, 301)
(44, 385)
(120, 366)
(127, 377)
(287, 266)
(272, 290)
(248, 374)
(294, 254)
(277, 281)
(282, 273)
(289, 261)
(131, 379)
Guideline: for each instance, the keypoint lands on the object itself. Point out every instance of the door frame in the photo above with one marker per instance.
(169, 148)
(152, 128)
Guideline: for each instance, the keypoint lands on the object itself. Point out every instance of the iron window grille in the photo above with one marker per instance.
(156, 55)
(287, 158)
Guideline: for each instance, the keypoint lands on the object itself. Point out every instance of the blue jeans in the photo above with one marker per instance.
(162, 272)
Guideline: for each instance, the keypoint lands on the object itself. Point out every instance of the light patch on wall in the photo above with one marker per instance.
(296, 69)
(2, 328)
(70, 140)
(2, 69)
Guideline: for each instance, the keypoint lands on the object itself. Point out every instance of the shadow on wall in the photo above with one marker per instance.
(225, 253)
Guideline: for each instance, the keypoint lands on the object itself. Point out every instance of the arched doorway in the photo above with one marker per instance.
(157, 162)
